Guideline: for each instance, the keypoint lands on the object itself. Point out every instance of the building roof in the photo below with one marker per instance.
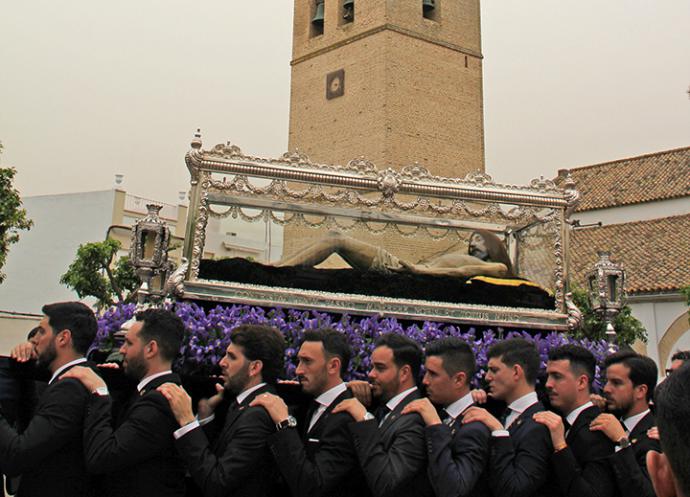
(658, 176)
(654, 253)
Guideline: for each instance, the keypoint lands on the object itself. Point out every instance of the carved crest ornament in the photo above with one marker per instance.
(292, 188)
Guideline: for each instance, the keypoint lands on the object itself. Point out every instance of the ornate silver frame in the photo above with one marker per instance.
(378, 195)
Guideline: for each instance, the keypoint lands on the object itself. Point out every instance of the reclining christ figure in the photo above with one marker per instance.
(486, 256)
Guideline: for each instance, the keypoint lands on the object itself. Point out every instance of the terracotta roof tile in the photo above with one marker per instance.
(655, 253)
(657, 176)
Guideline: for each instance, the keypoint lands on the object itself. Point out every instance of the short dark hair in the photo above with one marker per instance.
(165, 328)
(582, 361)
(334, 344)
(456, 354)
(681, 355)
(672, 399)
(643, 370)
(405, 351)
(518, 351)
(262, 343)
(75, 317)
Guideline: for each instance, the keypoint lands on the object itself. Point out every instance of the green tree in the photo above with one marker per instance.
(93, 274)
(628, 328)
(12, 217)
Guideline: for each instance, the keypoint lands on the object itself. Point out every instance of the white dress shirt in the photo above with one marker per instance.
(517, 407)
(458, 407)
(324, 400)
(149, 379)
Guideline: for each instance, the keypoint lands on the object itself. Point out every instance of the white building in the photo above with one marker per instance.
(643, 205)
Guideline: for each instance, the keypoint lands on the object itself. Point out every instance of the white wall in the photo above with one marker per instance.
(43, 254)
(637, 212)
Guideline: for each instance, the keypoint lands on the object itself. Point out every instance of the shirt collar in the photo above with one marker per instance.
(393, 403)
(59, 370)
(240, 398)
(572, 417)
(631, 422)
(520, 405)
(326, 398)
(458, 407)
(149, 379)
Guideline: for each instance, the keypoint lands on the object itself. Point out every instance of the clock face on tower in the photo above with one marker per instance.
(335, 84)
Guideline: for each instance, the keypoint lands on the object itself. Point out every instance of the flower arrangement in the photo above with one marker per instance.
(208, 335)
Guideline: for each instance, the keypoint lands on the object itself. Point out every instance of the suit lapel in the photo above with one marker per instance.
(395, 413)
(524, 416)
(582, 421)
(234, 414)
(321, 422)
(641, 427)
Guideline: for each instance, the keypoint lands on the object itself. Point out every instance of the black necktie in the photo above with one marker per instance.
(566, 426)
(313, 407)
(448, 420)
(381, 413)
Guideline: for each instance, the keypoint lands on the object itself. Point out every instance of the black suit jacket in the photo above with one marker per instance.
(393, 456)
(582, 468)
(630, 464)
(49, 454)
(138, 457)
(458, 456)
(324, 462)
(519, 463)
(238, 462)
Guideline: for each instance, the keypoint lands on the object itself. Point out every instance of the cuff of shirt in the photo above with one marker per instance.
(180, 432)
(500, 433)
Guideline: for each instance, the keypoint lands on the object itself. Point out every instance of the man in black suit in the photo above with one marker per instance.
(390, 447)
(630, 382)
(580, 455)
(49, 454)
(137, 456)
(321, 460)
(232, 457)
(670, 471)
(458, 453)
(520, 447)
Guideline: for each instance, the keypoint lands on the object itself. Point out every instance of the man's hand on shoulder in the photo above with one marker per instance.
(180, 402)
(86, 376)
(353, 407)
(425, 409)
(483, 416)
(555, 425)
(274, 405)
(609, 425)
(24, 352)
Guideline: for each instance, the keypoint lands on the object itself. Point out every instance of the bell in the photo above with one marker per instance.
(349, 10)
(318, 15)
(428, 5)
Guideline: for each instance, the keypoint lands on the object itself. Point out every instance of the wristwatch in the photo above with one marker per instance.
(289, 422)
(623, 443)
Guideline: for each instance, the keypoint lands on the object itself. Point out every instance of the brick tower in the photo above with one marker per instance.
(397, 81)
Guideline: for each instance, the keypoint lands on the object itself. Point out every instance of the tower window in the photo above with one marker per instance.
(348, 11)
(317, 18)
(430, 9)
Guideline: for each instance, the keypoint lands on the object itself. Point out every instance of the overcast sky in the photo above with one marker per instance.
(89, 88)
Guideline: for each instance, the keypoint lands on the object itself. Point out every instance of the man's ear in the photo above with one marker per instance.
(64, 338)
(333, 365)
(660, 472)
(256, 367)
(150, 349)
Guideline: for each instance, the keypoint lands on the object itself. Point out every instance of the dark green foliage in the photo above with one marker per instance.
(92, 274)
(12, 217)
(628, 328)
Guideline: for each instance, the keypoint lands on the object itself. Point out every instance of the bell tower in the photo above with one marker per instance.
(397, 81)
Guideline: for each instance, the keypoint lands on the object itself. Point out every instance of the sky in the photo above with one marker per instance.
(90, 89)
